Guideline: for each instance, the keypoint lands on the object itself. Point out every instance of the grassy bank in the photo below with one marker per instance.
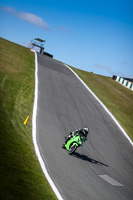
(20, 174)
(117, 98)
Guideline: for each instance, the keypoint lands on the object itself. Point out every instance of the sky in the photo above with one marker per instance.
(92, 35)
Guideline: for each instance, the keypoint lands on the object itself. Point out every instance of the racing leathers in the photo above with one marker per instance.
(76, 132)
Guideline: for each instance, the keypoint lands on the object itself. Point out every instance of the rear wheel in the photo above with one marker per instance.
(72, 149)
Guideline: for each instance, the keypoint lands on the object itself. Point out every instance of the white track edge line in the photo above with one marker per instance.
(103, 106)
(34, 134)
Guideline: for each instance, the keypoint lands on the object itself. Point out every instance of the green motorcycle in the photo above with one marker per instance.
(73, 143)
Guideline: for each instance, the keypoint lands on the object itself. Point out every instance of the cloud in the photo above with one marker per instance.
(29, 17)
(124, 62)
(110, 70)
(60, 28)
(33, 19)
(119, 73)
(8, 9)
(106, 68)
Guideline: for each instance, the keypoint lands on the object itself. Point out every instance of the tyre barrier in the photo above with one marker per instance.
(124, 82)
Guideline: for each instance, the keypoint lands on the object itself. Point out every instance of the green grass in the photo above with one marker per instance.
(21, 176)
(117, 98)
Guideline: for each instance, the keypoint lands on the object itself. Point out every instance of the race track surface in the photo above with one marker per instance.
(102, 169)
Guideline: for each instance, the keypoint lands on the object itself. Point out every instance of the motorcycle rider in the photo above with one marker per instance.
(83, 133)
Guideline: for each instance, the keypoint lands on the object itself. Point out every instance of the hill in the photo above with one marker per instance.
(21, 176)
(117, 98)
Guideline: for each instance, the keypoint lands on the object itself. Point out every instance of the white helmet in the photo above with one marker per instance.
(86, 131)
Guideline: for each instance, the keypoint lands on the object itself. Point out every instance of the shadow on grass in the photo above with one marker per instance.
(86, 158)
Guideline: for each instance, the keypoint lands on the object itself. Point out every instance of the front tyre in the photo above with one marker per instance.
(72, 149)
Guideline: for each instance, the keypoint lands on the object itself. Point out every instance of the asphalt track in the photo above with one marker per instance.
(64, 104)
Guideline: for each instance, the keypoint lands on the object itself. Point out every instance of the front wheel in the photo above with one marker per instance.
(72, 149)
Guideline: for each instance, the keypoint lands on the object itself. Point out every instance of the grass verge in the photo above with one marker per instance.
(117, 98)
(21, 176)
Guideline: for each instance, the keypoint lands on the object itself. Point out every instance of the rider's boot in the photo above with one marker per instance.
(66, 140)
(63, 146)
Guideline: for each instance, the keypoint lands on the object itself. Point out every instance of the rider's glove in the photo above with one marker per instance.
(70, 134)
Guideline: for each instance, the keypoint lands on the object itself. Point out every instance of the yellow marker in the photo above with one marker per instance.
(26, 121)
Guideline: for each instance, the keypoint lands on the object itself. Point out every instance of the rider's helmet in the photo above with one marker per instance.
(86, 131)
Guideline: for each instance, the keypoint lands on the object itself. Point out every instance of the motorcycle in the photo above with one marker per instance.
(73, 143)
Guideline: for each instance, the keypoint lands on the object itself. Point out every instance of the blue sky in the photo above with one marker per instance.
(93, 35)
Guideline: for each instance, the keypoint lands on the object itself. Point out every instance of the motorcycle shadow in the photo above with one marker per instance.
(86, 158)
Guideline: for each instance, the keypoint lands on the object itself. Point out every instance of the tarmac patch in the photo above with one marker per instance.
(110, 180)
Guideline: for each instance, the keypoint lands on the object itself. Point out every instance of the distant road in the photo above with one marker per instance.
(102, 169)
